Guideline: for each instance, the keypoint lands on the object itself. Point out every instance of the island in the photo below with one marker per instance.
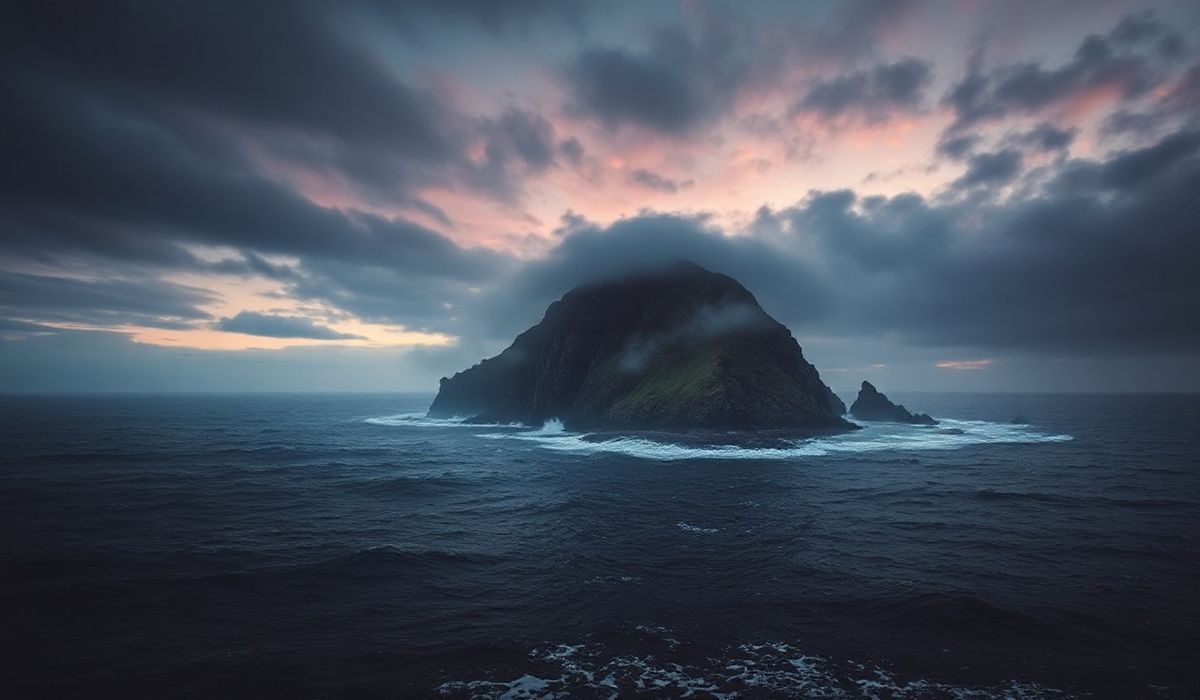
(872, 405)
(675, 348)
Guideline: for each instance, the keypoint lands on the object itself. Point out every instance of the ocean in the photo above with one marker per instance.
(344, 545)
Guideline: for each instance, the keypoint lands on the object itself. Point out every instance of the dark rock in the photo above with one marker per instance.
(1020, 420)
(677, 348)
(872, 405)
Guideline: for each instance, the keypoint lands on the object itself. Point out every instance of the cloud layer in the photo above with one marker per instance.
(221, 173)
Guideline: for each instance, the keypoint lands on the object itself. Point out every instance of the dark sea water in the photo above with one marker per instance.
(309, 546)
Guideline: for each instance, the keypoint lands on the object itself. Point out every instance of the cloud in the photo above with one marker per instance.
(957, 146)
(97, 185)
(519, 17)
(517, 144)
(571, 150)
(150, 51)
(654, 181)
(990, 169)
(1047, 137)
(1091, 263)
(1135, 170)
(274, 326)
(318, 104)
(693, 73)
(350, 169)
(1177, 104)
(873, 96)
(1122, 64)
(971, 365)
(654, 91)
(1096, 262)
(146, 302)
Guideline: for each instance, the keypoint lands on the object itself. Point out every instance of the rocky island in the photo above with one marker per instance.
(678, 348)
(872, 405)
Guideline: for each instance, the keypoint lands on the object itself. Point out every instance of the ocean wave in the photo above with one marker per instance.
(874, 437)
(776, 669)
(692, 528)
(410, 485)
(420, 419)
(383, 561)
(1084, 499)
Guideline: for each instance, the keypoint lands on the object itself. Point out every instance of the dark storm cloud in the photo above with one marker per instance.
(240, 88)
(1180, 104)
(654, 181)
(109, 174)
(275, 326)
(1122, 62)
(1047, 137)
(686, 76)
(524, 136)
(571, 150)
(957, 147)
(690, 75)
(1090, 265)
(1144, 28)
(495, 17)
(376, 293)
(113, 302)
(97, 182)
(104, 171)
(308, 76)
(617, 86)
(990, 169)
(136, 131)
(873, 96)
(516, 144)
(1138, 168)
(1099, 262)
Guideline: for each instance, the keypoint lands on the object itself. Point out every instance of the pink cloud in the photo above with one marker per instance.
(965, 364)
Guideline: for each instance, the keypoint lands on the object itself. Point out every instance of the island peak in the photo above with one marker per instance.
(679, 347)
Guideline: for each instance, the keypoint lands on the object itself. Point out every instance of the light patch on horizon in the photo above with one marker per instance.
(371, 336)
(965, 364)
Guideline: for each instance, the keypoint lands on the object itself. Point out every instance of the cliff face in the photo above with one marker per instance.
(677, 349)
(872, 405)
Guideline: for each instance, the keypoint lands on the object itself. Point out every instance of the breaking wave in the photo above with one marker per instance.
(874, 437)
(419, 419)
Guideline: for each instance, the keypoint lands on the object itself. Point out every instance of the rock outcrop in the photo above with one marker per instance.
(679, 348)
(872, 405)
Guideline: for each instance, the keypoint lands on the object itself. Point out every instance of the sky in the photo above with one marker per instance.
(367, 196)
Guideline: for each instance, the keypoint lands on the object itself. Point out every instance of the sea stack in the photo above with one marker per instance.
(872, 405)
(677, 348)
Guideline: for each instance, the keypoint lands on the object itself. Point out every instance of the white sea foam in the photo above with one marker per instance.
(874, 437)
(693, 528)
(775, 669)
(551, 427)
(526, 686)
(419, 419)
